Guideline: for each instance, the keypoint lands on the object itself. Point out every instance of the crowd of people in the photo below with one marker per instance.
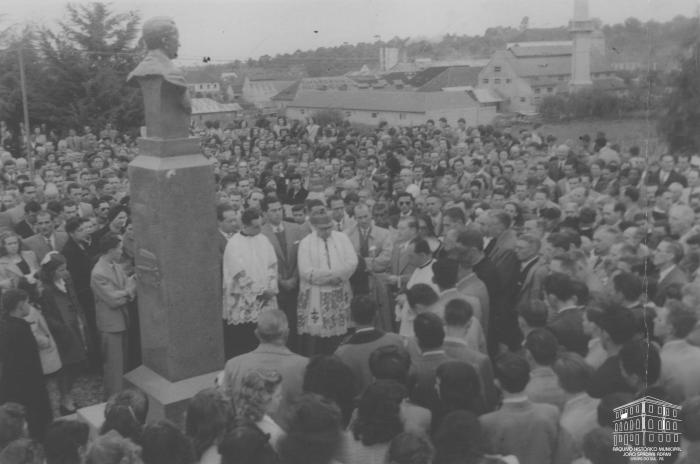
(439, 294)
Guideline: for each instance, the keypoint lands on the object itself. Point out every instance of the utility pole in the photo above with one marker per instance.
(25, 107)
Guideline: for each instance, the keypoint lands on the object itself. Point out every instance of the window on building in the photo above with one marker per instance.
(650, 424)
(659, 437)
(650, 408)
(507, 81)
(638, 425)
(651, 438)
(668, 438)
(496, 69)
(485, 81)
(374, 115)
(675, 413)
(637, 408)
(675, 426)
(497, 81)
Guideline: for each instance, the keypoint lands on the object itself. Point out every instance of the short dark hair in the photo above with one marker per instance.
(421, 294)
(72, 224)
(681, 318)
(429, 331)
(268, 200)
(559, 285)
(363, 309)
(615, 320)
(11, 299)
(249, 215)
(534, 312)
(421, 246)
(164, 443)
(641, 358)
(573, 372)
(63, 440)
(456, 214)
(32, 207)
(512, 372)
(543, 346)
(458, 312)
(629, 285)
(390, 362)
(108, 243)
(445, 272)
(221, 208)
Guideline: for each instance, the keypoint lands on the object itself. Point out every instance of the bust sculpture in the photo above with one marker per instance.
(166, 98)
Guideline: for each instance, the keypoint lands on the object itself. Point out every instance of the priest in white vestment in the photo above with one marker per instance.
(249, 285)
(326, 261)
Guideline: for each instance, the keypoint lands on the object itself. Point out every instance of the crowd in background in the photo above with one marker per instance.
(437, 294)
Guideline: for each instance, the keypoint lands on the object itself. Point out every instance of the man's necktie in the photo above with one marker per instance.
(282, 240)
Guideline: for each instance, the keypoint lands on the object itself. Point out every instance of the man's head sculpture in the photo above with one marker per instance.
(161, 33)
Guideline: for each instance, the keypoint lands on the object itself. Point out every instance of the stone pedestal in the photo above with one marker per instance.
(177, 265)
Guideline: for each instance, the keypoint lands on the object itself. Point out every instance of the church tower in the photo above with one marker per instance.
(581, 29)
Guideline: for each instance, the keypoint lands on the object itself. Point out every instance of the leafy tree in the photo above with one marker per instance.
(86, 64)
(680, 123)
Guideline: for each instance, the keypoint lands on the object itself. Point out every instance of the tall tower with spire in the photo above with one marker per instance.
(581, 28)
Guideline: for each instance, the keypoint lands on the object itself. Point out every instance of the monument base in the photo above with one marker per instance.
(168, 400)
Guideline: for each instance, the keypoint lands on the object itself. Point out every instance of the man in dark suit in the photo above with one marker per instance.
(356, 349)
(532, 271)
(25, 227)
(666, 257)
(113, 291)
(503, 320)
(79, 261)
(567, 322)
(47, 238)
(402, 265)
(667, 175)
(285, 238)
(296, 193)
(430, 336)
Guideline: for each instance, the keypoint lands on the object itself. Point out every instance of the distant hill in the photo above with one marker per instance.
(629, 42)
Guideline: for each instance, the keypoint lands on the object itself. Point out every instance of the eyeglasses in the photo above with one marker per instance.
(404, 203)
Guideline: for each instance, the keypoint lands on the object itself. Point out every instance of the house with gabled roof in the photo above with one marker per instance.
(398, 108)
(524, 74)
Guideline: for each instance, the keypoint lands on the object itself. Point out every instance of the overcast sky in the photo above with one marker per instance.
(239, 29)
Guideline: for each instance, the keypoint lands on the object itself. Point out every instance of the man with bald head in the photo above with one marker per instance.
(272, 353)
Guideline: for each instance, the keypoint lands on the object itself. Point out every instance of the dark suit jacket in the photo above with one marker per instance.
(676, 276)
(23, 229)
(567, 326)
(286, 262)
(223, 241)
(37, 243)
(421, 378)
(608, 379)
(655, 178)
(79, 263)
(503, 323)
(292, 198)
(531, 287)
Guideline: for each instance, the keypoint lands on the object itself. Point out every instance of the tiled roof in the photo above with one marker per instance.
(456, 76)
(541, 50)
(404, 102)
(542, 34)
(207, 105)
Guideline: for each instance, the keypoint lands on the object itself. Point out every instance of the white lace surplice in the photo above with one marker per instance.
(250, 268)
(323, 309)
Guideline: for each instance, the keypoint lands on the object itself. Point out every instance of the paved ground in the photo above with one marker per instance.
(87, 391)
